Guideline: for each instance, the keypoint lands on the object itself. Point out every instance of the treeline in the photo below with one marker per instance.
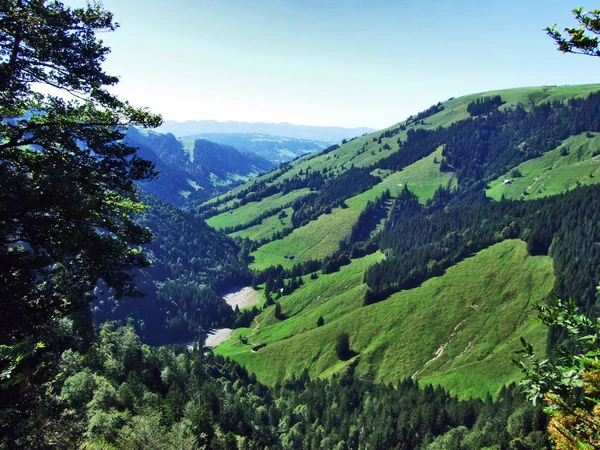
(261, 190)
(123, 394)
(369, 218)
(419, 143)
(191, 263)
(484, 105)
(332, 194)
(420, 244)
(485, 147)
(433, 109)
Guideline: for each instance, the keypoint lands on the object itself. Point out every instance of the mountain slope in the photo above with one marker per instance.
(438, 332)
(574, 163)
(396, 210)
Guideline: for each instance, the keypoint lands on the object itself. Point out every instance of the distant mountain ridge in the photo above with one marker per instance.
(310, 132)
(276, 149)
(193, 171)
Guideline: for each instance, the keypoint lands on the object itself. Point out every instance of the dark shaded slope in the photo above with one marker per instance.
(276, 149)
(196, 175)
(190, 263)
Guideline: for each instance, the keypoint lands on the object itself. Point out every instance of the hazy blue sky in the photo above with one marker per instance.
(324, 62)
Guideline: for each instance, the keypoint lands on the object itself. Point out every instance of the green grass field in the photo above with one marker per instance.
(472, 330)
(267, 228)
(554, 172)
(250, 211)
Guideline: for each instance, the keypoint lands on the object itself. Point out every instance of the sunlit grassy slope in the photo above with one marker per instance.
(267, 228)
(250, 211)
(459, 330)
(576, 162)
(321, 237)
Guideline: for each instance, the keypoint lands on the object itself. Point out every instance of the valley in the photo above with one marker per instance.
(252, 283)
(410, 242)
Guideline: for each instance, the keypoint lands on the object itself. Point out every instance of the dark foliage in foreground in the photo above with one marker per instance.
(123, 394)
(191, 263)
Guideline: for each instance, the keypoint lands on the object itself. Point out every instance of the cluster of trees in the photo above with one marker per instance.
(484, 105)
(433, 109)
(244, 318)
(67, 186)
(568, 383)
(421, 244)
(191, 263)
(369, 218)
(419, 143)
(332, 194)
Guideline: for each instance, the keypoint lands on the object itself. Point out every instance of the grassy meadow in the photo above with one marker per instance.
(441, 332)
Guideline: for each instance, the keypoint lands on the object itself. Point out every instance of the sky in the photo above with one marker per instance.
(343, 63)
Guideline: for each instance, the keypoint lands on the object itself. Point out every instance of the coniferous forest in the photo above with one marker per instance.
(117, 245)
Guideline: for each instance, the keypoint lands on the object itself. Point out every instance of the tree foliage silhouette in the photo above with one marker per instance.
(67, 182)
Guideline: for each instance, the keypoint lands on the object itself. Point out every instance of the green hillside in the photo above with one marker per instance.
(574, 163)
(440, 332)
(461, 309)
(247, 213)
(320, 238)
